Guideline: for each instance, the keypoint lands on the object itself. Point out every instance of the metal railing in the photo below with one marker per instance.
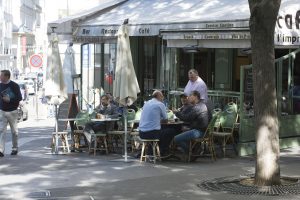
(221, 98)
(285, 93)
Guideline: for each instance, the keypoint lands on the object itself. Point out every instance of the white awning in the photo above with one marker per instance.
(173, 11)
(154, 17)
(64, 26)
(149, 17)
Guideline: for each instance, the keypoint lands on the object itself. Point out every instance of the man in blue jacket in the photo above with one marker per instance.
(10, 96)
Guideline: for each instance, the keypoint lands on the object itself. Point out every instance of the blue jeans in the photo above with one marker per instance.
(184, 138)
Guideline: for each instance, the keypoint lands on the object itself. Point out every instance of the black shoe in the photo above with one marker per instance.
(1, 154)
(138, 155)
(14, 152)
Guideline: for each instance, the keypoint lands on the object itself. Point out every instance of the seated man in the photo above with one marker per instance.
(104, 108)
(197, 116)
(154, 111)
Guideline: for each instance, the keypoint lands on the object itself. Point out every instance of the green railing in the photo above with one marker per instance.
(220, 98)
(287, 99)
(284, 85)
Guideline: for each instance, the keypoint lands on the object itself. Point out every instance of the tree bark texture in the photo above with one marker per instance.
(262, 26)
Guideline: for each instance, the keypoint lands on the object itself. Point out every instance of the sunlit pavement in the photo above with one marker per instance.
(37, 174)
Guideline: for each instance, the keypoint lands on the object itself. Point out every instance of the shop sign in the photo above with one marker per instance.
(211, 36)
(219, 25)
(112, 31)
(287, 31)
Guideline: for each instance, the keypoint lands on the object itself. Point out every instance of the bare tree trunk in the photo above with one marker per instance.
(262, 26)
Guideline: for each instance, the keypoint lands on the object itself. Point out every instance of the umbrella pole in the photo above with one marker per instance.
(125, 134)
(56, 129)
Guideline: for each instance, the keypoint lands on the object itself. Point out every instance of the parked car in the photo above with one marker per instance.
(22, 112)
(30, 85)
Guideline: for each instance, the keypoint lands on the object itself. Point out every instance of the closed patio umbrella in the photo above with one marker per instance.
(126, 86)
(54, 84)
(69, 68)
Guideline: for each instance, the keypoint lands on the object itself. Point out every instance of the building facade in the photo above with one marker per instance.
(6, 18)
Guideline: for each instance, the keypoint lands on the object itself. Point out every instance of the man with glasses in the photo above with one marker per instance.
(104, 109)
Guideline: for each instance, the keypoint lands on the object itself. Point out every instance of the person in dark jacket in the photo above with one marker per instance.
(104, 109)
(10, 96)
(197, 116)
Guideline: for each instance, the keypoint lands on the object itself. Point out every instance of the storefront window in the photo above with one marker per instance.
(150, 65)
(97, 80)
(288, 81)
(87, 76)
(109, 66)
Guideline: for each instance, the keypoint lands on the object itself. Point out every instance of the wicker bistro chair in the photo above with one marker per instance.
(116, 137)
(135, 139)
(81, 119)
(198, 145)
(228, 122)
(100, 139)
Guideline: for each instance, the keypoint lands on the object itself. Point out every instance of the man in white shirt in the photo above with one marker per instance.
(196, 84)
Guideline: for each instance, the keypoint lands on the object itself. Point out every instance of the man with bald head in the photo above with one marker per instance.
(154, 112)
(196, 84)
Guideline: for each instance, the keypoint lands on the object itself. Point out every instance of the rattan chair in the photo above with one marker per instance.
(228, 122)
(199, 145)
(116, 137)
(81, 119)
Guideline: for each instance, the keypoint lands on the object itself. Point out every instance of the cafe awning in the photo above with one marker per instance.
(207, 19)
(150, 17)
(64, 27)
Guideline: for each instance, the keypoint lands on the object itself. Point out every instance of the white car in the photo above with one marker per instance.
(30, 85)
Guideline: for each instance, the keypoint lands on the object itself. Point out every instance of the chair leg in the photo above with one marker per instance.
(76, 140)
(62, 138)
(143, 152)
(53, 144)
(105, 145)
(95, 146)
(190, 151)
(154, 153)
(212, 150)
(158, 151)
(56, 143)
(224, 146)
(67, 143)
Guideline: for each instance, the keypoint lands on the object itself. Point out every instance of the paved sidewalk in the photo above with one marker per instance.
(37, 174)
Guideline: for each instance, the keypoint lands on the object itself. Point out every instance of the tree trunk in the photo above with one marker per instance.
(262, 26)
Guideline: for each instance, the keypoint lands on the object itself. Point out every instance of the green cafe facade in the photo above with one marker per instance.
(164, 47)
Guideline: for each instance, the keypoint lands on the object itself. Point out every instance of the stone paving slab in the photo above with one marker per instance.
(83, 176)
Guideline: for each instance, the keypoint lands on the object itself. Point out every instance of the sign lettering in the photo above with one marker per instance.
(287, 31)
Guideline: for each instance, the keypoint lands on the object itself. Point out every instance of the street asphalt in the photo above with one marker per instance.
(35, 173)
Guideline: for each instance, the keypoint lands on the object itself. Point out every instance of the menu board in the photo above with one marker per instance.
(67, 109)
(248, 86)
